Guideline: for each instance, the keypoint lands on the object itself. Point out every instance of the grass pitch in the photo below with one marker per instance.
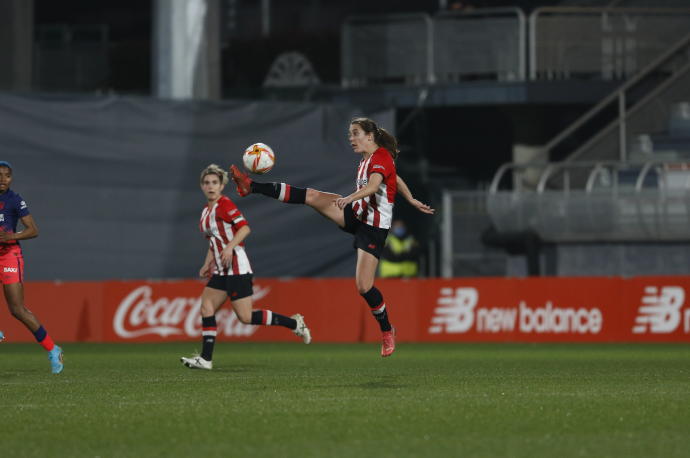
(291, 400)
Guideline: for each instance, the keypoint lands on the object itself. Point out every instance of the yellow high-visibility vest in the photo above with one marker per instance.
(402, 268)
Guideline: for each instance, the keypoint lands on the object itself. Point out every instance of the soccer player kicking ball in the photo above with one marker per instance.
(228, 267)
(366, 213)
(13, 209)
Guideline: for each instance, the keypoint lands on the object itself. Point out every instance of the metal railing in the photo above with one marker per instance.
(418, 49)
(669, 67)
(608, 43)
(396, 48)
(596, 201)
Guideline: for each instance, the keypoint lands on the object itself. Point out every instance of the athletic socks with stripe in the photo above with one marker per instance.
(208, 336)
(374, 299)
(281, 191)
(268, 318)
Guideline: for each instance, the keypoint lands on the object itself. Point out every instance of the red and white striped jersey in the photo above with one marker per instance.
(219, 225)
(377, 209)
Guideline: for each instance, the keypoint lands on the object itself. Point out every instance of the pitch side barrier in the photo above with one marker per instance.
(611, 309)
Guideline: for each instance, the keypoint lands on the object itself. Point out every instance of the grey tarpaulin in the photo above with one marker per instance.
(113, 183)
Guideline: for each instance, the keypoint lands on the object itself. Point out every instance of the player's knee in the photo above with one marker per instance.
(244, 317)
(207, 309)
(317, 199)
(363, 286)
(311, 196)
(17, 310)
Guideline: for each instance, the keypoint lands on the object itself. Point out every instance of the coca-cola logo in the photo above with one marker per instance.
(139, 314)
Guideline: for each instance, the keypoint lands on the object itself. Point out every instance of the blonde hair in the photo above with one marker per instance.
(214, 169)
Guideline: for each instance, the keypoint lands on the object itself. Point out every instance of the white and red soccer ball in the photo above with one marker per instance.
(258, 158)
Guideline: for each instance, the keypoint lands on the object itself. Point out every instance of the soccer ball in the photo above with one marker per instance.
(258, 158)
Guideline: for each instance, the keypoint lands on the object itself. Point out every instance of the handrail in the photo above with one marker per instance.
(682, 43)
(596, 166)
(608, 9)
(593, 176)
(640, 104)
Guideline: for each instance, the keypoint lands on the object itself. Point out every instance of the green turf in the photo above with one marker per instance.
(288, 400)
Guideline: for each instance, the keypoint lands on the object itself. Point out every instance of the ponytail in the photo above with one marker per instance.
(382, 137)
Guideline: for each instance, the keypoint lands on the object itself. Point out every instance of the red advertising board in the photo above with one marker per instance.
(640, 309)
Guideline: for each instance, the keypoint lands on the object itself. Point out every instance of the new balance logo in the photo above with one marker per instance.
(660, 310)
(455, 311)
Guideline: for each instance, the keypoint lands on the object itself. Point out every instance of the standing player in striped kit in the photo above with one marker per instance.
(229, 270)
(366, 213)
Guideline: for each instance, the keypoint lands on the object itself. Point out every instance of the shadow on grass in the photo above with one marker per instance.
(378, 383)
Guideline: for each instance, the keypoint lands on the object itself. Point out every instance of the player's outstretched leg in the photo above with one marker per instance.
(269, 318)
(280, 191)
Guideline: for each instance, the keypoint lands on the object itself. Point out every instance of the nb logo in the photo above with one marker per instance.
(660, 310)
(455, 311)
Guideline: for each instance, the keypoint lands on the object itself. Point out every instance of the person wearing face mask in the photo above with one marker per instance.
(401, 253)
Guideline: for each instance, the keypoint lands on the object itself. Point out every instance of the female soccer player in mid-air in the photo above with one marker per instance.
(13, 209)
(228, 267)
(366, 213)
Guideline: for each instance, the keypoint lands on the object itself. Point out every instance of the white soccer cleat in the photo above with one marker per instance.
(197, 362)
(301, 330)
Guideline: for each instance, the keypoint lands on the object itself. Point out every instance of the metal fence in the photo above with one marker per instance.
(420, 49)
(607, 43)
(464, 220)
(596, 201)
(493, 43)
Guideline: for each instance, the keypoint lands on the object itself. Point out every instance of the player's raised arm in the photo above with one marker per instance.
(407, 194)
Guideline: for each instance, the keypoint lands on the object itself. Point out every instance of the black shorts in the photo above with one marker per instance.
(237, 286)
(369, 238)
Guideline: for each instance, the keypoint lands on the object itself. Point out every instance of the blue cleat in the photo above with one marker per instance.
(55, 357)
(2, 336)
